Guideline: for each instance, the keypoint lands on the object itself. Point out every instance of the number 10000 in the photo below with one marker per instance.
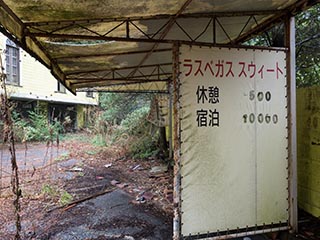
(261, 118)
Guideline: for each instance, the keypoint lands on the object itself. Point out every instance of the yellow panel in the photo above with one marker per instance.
(308, 138)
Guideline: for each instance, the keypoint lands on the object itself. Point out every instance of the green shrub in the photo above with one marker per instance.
(144, 147)
(135, 132)
(99, 140)
(36, 128)
(135, 123)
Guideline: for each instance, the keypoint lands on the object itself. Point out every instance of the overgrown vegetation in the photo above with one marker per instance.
(123, 120)
(55, 194)
(36, 127)
(143, 137)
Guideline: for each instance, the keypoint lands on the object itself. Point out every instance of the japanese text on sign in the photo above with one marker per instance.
(223, 68)
(207, 117)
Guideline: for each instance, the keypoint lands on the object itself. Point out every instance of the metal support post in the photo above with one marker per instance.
(292, 135)
(170, 121)
(177, 173)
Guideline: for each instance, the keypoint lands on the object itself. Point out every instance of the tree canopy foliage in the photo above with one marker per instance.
(307, 45)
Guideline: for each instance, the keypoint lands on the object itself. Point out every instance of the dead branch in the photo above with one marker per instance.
(76, 202)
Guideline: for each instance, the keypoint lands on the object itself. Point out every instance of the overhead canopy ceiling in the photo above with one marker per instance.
(126, 45)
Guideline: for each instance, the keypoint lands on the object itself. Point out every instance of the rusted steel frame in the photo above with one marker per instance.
(159, 30)
(93, 74)
(119, 89)
(130, 91)
(204, 30)
(160, 69)
(170, 91)
(153, 74)
(128, 29)
(176, 139)
(114, 28)
(110, 54)
(184, 31)
(119, 86)
(104, 84)
(78, 25)
(153, 17)
(94, 32)
(132, 78)
(225, 32)
(121, 39)
(52, 31)
(116, 69)
(265, 33)
(149, 74)
(166, 30)
(140, 30)
(114, 73)
(292, 135)
(247, 23)
(276, 18)
(63, 27)
(140, 83)
(214, 30)
(246, 233)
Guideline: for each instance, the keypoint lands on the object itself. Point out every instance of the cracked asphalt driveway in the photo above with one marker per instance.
(109, 216)
(114, 214)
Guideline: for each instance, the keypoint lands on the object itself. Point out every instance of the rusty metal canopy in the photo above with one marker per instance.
(125, 45)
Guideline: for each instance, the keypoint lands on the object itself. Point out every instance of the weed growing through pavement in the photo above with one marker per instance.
(63, 157)
(65, 198)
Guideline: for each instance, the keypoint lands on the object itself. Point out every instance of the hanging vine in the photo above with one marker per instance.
(8, 138)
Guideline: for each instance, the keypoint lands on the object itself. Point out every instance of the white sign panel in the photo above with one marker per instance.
(233, 139)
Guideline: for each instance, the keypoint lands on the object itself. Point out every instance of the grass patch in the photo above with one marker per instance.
(65, 198)
(63, 157)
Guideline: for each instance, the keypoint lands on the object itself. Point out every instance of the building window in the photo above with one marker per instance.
(61, 88)
(89, 94)
(12, 63)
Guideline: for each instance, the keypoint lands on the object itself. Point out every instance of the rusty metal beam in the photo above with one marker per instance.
(111, 83)
(176, 139)
(127, 78)
(154, 17)
(119, 90)
(166, 30)
(292, 128)
(109, 54)
(116, 69)
(125, 87)
(278, 17)
(124, 80)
